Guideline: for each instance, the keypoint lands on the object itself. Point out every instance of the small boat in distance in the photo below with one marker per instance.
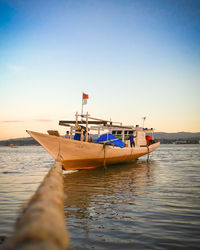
(115, 144)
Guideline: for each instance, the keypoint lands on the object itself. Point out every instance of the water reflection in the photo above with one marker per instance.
(114, 183)
(95, 198)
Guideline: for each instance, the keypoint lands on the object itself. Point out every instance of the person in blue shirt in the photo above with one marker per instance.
(79, 129)
(131, 138)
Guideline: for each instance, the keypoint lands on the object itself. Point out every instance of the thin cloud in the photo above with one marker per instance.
(14, 121)
(44, 120)
(10, 121)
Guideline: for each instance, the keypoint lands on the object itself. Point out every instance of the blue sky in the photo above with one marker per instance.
(134, 59)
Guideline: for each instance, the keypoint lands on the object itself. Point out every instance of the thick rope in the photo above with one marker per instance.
(41, 224)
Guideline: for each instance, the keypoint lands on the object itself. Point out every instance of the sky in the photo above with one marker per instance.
(134, 58)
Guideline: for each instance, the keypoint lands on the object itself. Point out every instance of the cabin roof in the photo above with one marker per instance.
(68, 122)
(101, 124)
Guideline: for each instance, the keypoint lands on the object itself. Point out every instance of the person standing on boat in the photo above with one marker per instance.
(89, 138)
(67, 135)
(148, 139)
(132, 142)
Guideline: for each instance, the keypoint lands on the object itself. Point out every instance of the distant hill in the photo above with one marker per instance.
(27, 141)
(177, 136)
(162, 136)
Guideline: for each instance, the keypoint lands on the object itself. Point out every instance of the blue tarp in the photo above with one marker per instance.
(77, 137)
(110, 138)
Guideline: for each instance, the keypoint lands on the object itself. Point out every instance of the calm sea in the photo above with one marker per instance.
(153, 205)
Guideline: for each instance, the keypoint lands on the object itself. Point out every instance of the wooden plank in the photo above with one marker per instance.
(80, 122)
(97, 119)
(117, 127)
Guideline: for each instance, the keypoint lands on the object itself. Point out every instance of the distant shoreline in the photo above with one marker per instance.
(164, 138)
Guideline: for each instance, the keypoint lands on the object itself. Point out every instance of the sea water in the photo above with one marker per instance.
(143, 205)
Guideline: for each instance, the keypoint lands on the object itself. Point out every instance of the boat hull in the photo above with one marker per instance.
(86, 155)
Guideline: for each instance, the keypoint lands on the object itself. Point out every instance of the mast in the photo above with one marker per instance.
(76, 119)
(84, 101)
(82, 108)
(86, 133)
(144, 118)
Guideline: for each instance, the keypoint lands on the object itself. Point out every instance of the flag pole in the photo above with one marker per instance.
(82, 107)
(84, 101)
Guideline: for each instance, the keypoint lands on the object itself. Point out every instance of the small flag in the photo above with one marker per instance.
(85, 97)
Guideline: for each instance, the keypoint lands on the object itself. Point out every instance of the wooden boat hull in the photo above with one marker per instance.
(86, 155)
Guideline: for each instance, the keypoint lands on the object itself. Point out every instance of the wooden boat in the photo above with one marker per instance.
(84, 154)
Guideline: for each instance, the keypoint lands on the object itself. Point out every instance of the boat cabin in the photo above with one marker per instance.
(85, 125)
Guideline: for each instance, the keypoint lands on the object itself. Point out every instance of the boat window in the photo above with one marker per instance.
(114, 132)
(130, 132)
(119, 132)
(125, 132)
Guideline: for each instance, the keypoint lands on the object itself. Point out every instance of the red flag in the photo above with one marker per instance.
(85, 96)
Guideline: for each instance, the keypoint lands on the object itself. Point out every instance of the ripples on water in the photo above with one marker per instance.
(21, 171)
(153, 205)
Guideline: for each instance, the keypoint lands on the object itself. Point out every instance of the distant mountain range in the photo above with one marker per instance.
(177, 136)
(162, 136)
(184, 137)
(27, 141)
